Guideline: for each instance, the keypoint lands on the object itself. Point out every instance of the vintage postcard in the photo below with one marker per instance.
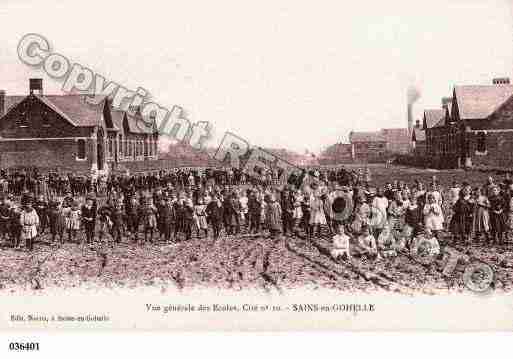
(244, 165)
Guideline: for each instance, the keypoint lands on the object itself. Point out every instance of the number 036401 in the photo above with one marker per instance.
(18, 346)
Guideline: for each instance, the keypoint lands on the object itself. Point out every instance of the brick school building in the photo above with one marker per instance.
(474, 129)
(67, 133)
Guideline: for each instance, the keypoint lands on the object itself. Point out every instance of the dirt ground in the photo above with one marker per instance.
(248, 262)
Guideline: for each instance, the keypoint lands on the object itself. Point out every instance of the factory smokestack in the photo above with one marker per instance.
(412, 95)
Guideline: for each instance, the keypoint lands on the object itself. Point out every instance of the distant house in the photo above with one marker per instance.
(397, 140)
(337, 153)
(66, 132)
(418, 139)
(368, 146)
(431, 118)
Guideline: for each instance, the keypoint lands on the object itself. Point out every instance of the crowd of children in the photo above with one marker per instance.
(382, 220)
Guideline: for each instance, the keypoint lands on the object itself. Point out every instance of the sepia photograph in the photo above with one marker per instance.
(247, 166)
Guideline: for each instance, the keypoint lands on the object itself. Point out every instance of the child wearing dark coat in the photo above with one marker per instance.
(88, 219)
(149, 219)
(133, 212)
(56, 221)
(117, 216)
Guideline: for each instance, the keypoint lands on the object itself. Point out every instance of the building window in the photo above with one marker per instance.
(120, 145)
(81, 149)
(481, 143)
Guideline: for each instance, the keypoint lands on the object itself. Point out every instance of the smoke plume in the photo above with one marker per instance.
(412, 95)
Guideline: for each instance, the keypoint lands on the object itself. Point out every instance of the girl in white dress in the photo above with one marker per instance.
(200, 217)
(433, 215)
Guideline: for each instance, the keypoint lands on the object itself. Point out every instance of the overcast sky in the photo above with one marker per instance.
(282, 73)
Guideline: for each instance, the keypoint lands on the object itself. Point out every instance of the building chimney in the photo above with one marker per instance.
(36, 84)
(501, 81)
(446, 101)
(2, 103)
(410, 116)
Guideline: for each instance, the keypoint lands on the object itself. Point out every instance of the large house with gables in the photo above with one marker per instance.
(66, 132)
(475, 128)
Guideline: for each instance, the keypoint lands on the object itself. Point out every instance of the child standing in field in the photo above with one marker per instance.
(433, 216)
(29, 221)
(497, 225)
(117, 218)
(14, 225)
(149, 219)
(509, 220)
(73, 221)
(243, 200)
(56, 221)
(413, 217)
(132, 214)
(273, 216)
(88, 219)
(4, 218)
(462, 220)
(201, 217)
(482, 216)
(104, 220)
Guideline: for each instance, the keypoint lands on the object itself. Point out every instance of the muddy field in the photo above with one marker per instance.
(243, 262)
